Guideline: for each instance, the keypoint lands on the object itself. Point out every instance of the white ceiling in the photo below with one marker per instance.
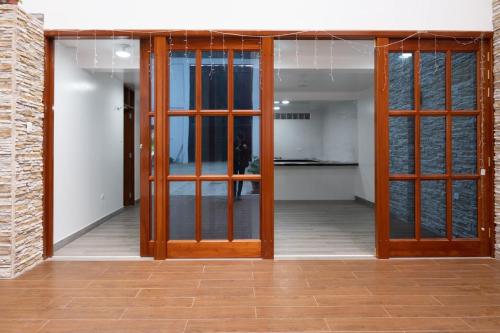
(86, 51)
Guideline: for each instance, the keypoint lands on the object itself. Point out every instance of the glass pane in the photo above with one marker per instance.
(182, 80)
(402, 209)
(246, 210)
(152, 216)
(246, 80)
(152, 146)
(182, 145)
(433, 209)
(402, 145)
(463, 80)
(401, 94)
(432, 145)
(464, 209)
(214, 210)
(246, 145)
(214, 80)
(182, 210)
(214, 146)
(432, 81)
(463, 136)
(152, 81)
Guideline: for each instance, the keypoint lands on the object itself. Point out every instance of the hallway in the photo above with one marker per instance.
(118, 236)
(422, 295)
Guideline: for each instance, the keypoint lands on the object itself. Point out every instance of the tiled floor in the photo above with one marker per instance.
(461, 295)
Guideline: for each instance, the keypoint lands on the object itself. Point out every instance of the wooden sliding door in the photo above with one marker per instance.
(213, 148)
(434, 158)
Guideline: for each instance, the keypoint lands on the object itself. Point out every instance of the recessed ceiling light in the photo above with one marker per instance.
(285, 102)
(276, 102)
(405, 55)
(276, 108)
(123, 51)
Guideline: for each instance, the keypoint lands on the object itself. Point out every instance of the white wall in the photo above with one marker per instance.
(365, 179)
(137, 144)
(88, 145)
(265, 14)
(340, 141)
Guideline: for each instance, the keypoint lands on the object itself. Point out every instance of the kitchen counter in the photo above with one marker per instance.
(311, 162)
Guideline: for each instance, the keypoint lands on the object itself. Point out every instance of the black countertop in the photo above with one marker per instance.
(311, 162)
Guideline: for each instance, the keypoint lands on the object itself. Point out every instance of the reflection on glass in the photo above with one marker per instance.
(402, 209)
(152, 81)
(432, 80)
(214, 210)
(432, 145)
(433, 209)
(214, 146)
(464, 145)
(464, 208)
(246, 80)
(152, 147)
(401, 94)
(182, 210)
(463, 81)
(152, 215)
(246, 152)
(182, 145)
(214, 80)
(246, 210)
(402, 145)
(182, 80)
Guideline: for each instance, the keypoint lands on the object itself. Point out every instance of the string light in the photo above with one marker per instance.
(279, 59)
(297, 49)
(77, 48)
(332, 41)
(224, 51)
(113, 55)
(211, 55)
(95, 51)
(315, 61)
(185, 43)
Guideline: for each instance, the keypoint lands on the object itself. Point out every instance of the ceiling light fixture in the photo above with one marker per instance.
(123, 51)
(285, 102)
(276, 108)
(276, 102)
(405, 55)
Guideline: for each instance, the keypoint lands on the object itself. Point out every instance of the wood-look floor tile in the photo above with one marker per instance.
(196, 292)
(408, 275)
(62, 313)
(321, 312)
(492, 323)
(339, 290)
(302, 275)
(443, 311)
(256, 325)
(471, 300)
(424, 290)
(375, 300)
(124, 302)
(87, 292)
(255, 301)
(43, 284)
(114, 326)
(396, 324)
(324, 283)
(145, 284)
(253, 283)
(20, 326)
(162, 276)
(190, 313)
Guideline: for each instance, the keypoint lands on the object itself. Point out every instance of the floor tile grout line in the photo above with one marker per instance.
(43, 326)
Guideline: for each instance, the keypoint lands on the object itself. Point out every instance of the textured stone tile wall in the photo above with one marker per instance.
(496, 70)
(21, 156)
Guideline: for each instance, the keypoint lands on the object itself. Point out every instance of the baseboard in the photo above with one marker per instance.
(65, 241)
(365, 202)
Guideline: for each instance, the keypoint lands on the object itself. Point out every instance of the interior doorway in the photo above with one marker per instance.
(324, 148)
(96, 148)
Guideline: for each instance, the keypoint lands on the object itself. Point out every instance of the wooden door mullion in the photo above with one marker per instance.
(198, 144)
(416, 87)
(449, 189)
(230, 142)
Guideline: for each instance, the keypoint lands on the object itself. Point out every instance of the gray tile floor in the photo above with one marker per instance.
(302, 228)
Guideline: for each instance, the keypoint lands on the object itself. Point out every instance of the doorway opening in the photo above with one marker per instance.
(324, 148)
(96, 148)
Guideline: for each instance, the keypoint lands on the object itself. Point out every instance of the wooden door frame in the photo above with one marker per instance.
(147, 246)
(448, 246)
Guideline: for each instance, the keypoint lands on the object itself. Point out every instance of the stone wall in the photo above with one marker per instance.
(496, 70)
(21, 140)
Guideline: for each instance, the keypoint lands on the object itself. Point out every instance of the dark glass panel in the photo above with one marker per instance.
(246, 210)
(464, 145)
(402, 145)
(182, 145)
(214, 80)
(214, 145)
(464, 208)
(402, 209)
(432, 145)
(214, 210)
(152, 146)
(246, 80)
(463, 80)
(246, 151)
(182, 210)
(152, 212)
(433, 209)
(432, 80)
(401, 89)
(182, 80)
